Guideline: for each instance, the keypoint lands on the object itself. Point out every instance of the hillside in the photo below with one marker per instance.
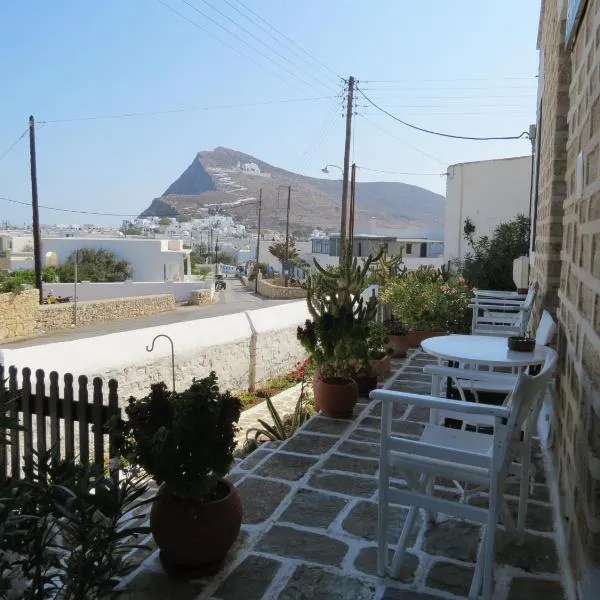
(228, 181)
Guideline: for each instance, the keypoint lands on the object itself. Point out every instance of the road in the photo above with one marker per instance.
(233, 300)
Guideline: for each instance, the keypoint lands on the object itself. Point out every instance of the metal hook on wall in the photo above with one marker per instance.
(151, 348)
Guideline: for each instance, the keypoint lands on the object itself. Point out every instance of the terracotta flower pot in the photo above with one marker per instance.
(382, 367)
(398, 344)
(335, 397)
(366, 383)
(416, 336)
(195, 537)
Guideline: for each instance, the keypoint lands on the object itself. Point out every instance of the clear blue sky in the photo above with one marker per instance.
(466, 67)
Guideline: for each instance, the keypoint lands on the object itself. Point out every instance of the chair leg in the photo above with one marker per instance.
(382, 529)
(402, 542)
(430, 515)
(490, 539)
(421, 485)
(524, 489)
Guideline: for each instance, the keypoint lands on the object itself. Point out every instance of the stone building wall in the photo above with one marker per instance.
(571, 194)
(18, 314)
(552, 138)
(271, 289)
(60, 316)
(577, 435)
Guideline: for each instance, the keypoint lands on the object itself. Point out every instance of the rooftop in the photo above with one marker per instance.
(310, 521)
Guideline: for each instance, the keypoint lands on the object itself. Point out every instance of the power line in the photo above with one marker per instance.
(373, 124)
(311, 56)
(455, 89)
(524, 135)
(216, 37)
(361, 168)
(14, 144)
(322, 134)
(184, 110)
(68, 210)
(271, 48)
(240, 39)
(288, 47)
(525, 77)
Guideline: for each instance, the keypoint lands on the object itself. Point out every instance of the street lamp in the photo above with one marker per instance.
(326, 170)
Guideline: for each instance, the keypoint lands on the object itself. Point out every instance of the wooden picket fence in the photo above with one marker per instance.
(69, 427)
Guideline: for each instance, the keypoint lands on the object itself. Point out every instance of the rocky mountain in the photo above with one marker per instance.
(224, 180)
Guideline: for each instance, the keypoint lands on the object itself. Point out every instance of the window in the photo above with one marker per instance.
(408, 248)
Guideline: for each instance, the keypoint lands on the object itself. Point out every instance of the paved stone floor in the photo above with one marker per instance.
(310, 520)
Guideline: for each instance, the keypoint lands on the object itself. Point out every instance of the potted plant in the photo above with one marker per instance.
(186, 442)
(397, 339)
(379, 350)
(431, 302)
(336, 335)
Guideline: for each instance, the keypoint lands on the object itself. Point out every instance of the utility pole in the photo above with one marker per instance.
(352, 212)
(287, 238)
(216, 255)
(349, 110)
(37, 242)
(258, 241)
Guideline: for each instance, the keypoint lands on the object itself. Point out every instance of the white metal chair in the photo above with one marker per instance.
(481, 459)
(502, 316)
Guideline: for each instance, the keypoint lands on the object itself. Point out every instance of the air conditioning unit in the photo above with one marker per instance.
(521, 273)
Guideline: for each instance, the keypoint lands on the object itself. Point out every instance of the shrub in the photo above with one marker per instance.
(185, 440)
(430, 300)
(489, 264)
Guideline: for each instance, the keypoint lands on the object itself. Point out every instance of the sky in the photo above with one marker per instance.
(264, 77)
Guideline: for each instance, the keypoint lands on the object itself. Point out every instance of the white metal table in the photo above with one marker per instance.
(477, 351)
(481, 350)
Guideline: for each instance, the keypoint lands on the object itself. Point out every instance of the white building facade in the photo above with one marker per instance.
(487, 192)
(150, 259)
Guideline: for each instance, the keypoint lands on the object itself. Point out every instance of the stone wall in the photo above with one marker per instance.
(575, 438)
(275, 289)
(552, 137)
(243, 348)
(18, 314)
(61, 316)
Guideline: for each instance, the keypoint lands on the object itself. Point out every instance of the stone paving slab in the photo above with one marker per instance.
(309, 528)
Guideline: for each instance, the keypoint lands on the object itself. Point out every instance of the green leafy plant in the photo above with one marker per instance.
(489, 263)
(185, 440)
(282, 427)
(338, 331)
(431, 300)
(377, 341)
(95, 266)
(394, 326)
(67, 529)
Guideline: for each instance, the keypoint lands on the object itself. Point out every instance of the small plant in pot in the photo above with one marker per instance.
(186, 442)
(379, 351)
(397, 339)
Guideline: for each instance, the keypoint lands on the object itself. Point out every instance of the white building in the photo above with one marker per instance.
(416, 252)
(487, 192)
(150, 259)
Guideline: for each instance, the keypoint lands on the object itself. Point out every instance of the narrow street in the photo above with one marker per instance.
(236, 298)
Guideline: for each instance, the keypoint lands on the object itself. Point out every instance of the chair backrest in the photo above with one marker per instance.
(546, 329)
(522, 401)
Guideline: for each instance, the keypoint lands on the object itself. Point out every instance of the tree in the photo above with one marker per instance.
(96, 266)
(184, 218)
(489, 264)
(164, 221)
(278, 250)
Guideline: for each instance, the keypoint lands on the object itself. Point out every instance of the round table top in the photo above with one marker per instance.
(481, 350)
